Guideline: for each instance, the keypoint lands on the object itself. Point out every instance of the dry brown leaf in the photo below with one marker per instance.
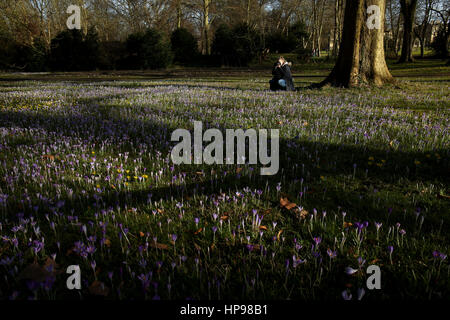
(443, 196)
(262, 228)
(224, 218)
(157, 245)
(238, 170)
(198, 231)
(34, 272)
(303, 214)
(49, 157)
(39, 273)
(279, 234)
(347, 224)
(98, 288)
(285, 203)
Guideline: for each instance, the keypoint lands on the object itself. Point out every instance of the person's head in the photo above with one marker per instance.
(281, 60)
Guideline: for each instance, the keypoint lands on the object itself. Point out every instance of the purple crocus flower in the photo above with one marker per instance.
(349, 271)
(390, 249)
(360, 293)
(332, 254)
(346, 295)
(317, 240)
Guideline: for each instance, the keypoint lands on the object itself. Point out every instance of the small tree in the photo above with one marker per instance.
(91, 50)
(72, 51)
(184, 46)
(149, 50)
(408, 9)
(237, 46)
(223, 44)
(247, 44)
(67, 51)
(440, 43)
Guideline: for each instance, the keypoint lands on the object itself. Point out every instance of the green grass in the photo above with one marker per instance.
(85, 163)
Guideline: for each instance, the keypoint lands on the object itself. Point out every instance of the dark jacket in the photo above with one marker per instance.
(287, 76)
(276, 72)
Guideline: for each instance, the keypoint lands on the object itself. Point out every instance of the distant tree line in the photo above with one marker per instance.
(73, 50)
(155, 33)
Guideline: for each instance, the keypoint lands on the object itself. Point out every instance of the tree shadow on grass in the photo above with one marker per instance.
(298, 160)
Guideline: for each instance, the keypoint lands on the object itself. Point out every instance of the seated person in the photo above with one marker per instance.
(277, 78)
(282, 76)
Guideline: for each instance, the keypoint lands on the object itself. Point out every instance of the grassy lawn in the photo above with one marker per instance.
(86, 179)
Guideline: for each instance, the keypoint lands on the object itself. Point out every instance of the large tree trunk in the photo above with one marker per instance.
(179, 14)
(361, 56)
(338, 9)
(206, 26)
(408, 8)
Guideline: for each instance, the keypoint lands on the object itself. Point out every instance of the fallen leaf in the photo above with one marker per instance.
(285, 203)
(49, 157)
(238, 170)
(302, 214)
(347, 224)
(198, 231)
(443, 196)
(224, 218)
(279, 234)
(252, 247)
(157, 245)
(34, 272)
(141, 234)
(262, 228)
(50, 263)
(39, 273)
(98, 288)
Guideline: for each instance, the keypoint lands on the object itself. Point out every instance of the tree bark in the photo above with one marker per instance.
(337, 26)
(179, 14)
(408, 9)
(206, 25)
(361, 56)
